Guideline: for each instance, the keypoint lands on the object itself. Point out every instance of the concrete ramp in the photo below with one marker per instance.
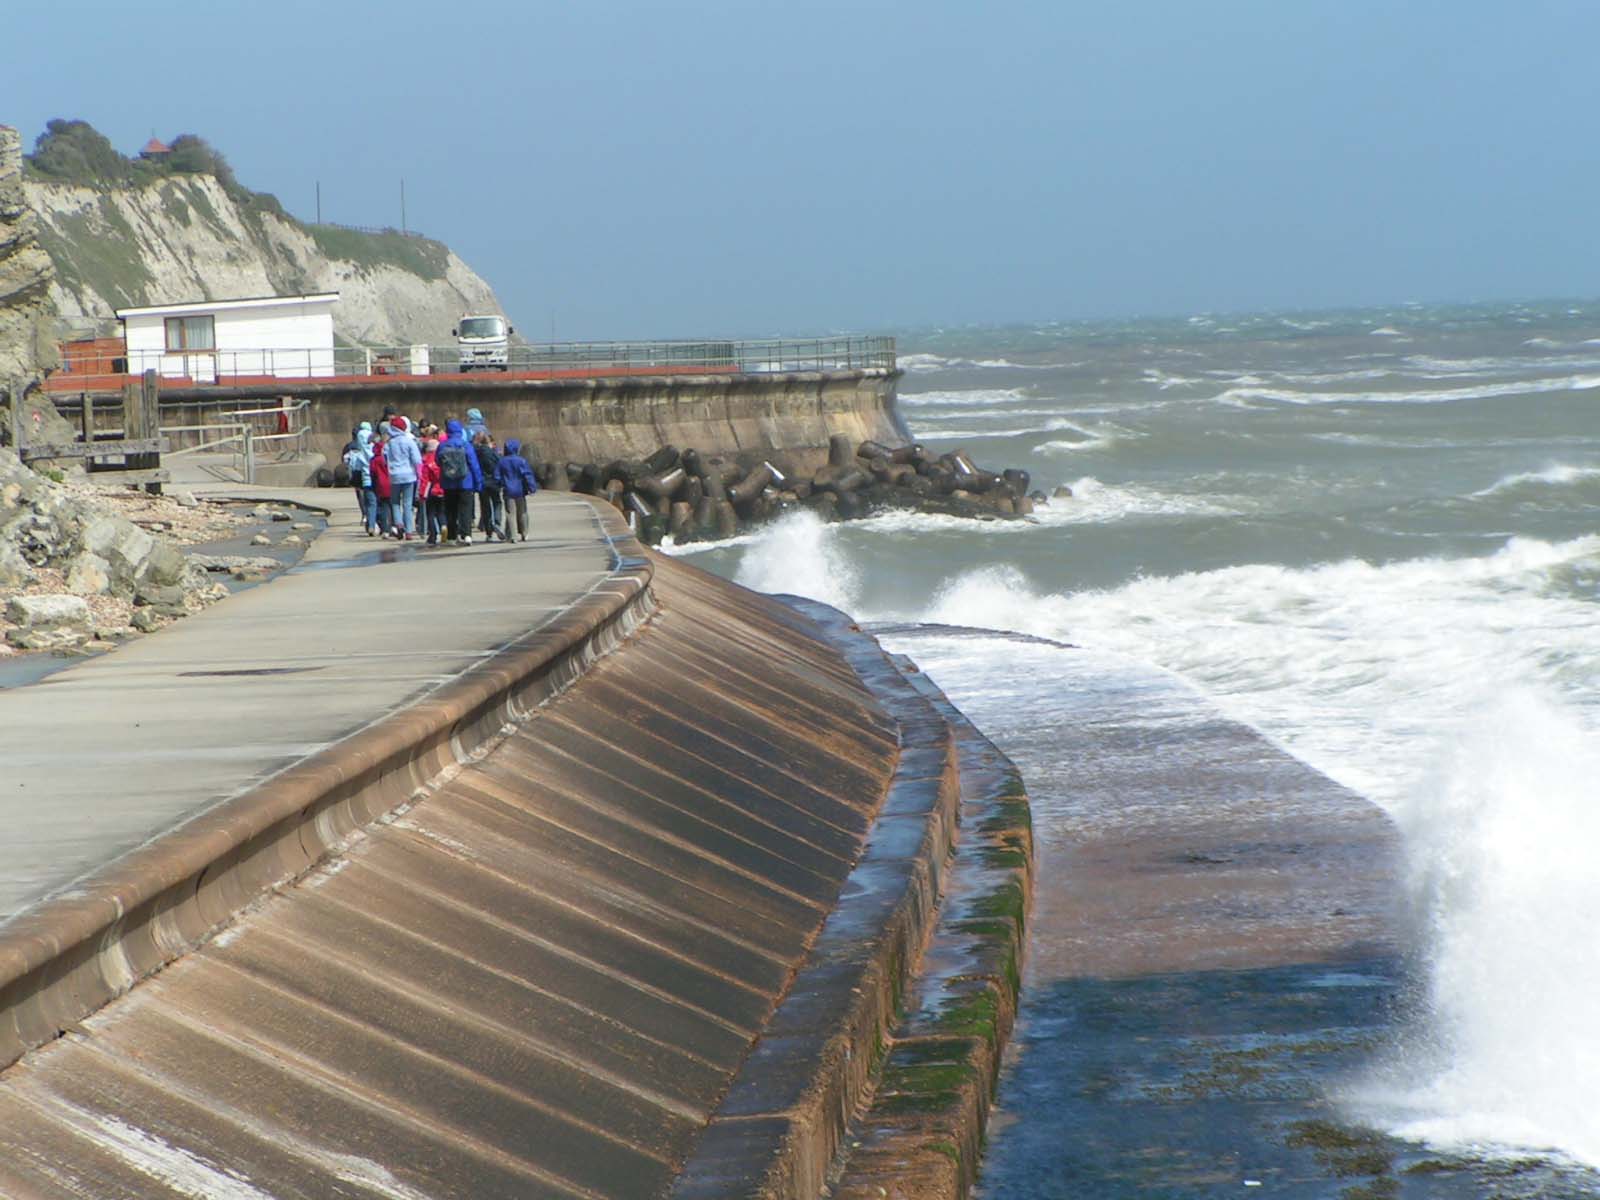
(537, 981)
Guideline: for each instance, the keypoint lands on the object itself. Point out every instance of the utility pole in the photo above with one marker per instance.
(402, 204)
(319, 202)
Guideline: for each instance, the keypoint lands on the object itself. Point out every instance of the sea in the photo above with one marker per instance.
(1373, 536)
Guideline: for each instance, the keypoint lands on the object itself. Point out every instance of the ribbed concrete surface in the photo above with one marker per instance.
(538, 981)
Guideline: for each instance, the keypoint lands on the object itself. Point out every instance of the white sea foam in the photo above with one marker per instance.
(938, 362)
(1250, 397)
(1559, 476)
(1429, 367)
(1166, 380)
(1351, 376)
(977, 433)
(1501, 848)
(1387, 331)
(671, 547)
(800, 555)
(1098, 437)
(1459, 694)
(922, 362)
(972, 398)
(1091, 503)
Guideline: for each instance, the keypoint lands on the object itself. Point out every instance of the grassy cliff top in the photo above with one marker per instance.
(75, 153)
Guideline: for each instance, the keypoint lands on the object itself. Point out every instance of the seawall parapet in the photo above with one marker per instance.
(746, 416)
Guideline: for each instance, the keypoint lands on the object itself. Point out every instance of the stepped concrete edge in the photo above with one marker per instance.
(782, 1128)
(68, 956)
(922, 1134)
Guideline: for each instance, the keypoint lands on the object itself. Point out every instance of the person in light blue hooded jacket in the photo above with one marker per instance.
(462, 479)
(475, 424)
(405, 461)
(359, 459)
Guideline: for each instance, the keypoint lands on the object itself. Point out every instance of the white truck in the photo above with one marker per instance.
(483, 340)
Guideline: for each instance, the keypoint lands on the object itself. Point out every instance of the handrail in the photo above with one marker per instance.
(530, 359)
(247, 435)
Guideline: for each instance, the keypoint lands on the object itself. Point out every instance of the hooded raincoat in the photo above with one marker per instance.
(516, 476)
(456, 436)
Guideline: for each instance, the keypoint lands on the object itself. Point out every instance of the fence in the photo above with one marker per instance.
(373, 230)
(243, 436)
(90, 369)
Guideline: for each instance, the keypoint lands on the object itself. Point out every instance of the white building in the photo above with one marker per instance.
(213, 341)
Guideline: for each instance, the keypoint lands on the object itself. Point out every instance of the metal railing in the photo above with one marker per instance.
(372, 230)
(243, 434)
(531, 360)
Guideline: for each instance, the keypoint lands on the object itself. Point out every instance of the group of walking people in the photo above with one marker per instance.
(414, 482)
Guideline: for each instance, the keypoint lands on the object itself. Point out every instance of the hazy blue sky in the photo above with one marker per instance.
(635, 169)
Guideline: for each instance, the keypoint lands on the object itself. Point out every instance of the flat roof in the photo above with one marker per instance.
(203, 306)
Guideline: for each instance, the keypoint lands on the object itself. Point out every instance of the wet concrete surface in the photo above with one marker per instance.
(1217, 952)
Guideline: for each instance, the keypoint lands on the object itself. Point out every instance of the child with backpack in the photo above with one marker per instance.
(462, 479)
(359, 459)
(518, 482)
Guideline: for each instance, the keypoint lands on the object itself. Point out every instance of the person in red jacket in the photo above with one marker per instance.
(431, 491)
(380, 480)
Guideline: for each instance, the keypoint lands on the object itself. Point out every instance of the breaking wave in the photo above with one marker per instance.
(1558, 476)
(1247, 397)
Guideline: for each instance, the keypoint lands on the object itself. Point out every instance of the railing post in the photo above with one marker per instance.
(249, 454)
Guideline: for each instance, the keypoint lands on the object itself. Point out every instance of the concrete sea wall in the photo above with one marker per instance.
(744, 416)
(632, 907)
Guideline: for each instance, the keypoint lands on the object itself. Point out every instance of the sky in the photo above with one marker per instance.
(716, 167)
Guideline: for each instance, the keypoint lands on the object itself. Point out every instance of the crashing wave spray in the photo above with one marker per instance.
(798, 555)
(1485, 666)
(1481, 666)
(1501, 854)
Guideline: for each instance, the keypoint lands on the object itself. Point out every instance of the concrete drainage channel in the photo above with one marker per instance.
(875, 1074)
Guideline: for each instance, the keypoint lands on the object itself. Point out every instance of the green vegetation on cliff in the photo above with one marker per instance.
(419, 255)
(174, 222)
(75, 152)
(85, 257)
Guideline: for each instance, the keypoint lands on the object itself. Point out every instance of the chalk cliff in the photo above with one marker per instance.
(189, 236)
(26, 344)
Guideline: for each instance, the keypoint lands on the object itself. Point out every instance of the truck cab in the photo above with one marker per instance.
(483, 339)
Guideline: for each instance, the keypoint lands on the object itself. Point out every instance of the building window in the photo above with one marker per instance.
(191, 333)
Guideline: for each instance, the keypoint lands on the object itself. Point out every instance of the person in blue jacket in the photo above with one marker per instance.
(462, 479)
(518, 481)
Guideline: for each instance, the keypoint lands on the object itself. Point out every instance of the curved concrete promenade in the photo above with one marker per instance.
(111, 752)
(450, 901)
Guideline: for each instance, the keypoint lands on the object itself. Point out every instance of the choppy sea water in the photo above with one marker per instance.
(1373, 536)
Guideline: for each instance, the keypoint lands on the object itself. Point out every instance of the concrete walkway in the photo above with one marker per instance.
(105, 755)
